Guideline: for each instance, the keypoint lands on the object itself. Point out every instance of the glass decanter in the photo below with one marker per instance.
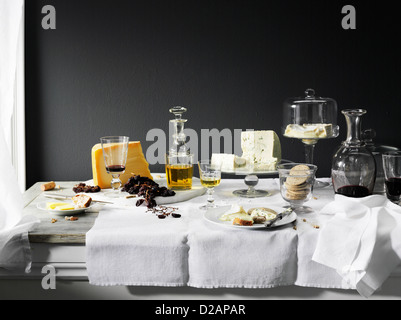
(179, 160)
(353, 169)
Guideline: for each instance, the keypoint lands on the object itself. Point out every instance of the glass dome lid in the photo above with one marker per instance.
(310, 117)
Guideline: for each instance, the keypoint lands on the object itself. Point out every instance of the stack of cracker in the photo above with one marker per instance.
(297, 184)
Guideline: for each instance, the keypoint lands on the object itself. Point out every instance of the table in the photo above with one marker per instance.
(62, 245)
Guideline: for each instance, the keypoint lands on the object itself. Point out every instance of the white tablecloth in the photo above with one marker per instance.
(133, 247)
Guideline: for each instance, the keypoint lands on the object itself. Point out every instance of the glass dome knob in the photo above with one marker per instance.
(178, 111)
(310, 93)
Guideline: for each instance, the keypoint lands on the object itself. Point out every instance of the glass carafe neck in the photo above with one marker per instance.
(179, 138)
(353, 118)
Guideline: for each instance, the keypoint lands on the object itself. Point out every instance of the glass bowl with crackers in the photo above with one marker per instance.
(296, 183)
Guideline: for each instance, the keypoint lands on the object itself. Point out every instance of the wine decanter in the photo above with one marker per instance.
(353, 167)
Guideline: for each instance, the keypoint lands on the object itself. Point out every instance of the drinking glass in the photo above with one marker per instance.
(392, 175)
(115, 150)
(210, 177)
(296, 184)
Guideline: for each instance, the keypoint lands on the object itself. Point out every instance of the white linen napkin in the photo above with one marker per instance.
(362, 241)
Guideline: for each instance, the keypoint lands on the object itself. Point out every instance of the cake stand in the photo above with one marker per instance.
(251, 180)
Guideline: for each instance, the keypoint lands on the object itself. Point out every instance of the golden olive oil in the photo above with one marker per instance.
(179, 176)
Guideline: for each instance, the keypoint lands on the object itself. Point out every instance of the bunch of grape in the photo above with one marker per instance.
(82, 187)
(146, 188)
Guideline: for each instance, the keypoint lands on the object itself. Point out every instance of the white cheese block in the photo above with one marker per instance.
(309, 131)
(261, 149)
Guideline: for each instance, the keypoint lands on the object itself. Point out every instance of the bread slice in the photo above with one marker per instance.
(243, 221)
(81, 201)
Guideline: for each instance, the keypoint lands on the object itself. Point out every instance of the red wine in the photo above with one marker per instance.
(393, 187)
(354, 191)
(115, 168)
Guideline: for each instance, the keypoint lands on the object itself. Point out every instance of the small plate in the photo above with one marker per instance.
(213, 216)
(42, 206)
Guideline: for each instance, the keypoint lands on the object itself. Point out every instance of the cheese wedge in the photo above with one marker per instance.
(136, 165)
(261, 149)
(59, 206)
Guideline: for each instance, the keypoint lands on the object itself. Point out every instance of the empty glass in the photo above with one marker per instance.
(392, 174)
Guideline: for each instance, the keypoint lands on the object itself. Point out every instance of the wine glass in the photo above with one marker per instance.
(210, 177)
(115, 150)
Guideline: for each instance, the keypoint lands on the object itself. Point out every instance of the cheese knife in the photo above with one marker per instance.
(64, 197)
(270, 223)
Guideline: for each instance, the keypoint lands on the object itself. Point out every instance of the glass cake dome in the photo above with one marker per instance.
(310, 119)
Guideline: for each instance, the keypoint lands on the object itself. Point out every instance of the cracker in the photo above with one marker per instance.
(296, 181)
(299, 169)
(297, 185)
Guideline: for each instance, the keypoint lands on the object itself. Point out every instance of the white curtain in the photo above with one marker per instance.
(14, 227)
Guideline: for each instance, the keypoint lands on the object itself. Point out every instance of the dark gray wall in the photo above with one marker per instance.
(115, 67)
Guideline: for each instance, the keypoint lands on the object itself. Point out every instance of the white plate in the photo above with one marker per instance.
(213, 216)
(42, 206)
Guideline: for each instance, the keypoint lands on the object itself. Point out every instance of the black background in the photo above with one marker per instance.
(116, 67)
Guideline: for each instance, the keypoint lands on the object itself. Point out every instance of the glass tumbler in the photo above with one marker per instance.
(392, 175)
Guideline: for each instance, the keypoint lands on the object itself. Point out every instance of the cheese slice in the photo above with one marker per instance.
(309, 131)
(136, 165)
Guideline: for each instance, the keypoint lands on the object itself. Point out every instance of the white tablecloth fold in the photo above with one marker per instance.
(362, 241)
(234, 258)
(133, 247)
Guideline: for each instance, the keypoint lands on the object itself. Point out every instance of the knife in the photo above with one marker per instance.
(280, 216)
(60, 196)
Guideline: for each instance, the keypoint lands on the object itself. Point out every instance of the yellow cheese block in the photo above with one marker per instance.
(136, 165)
(59, 206)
